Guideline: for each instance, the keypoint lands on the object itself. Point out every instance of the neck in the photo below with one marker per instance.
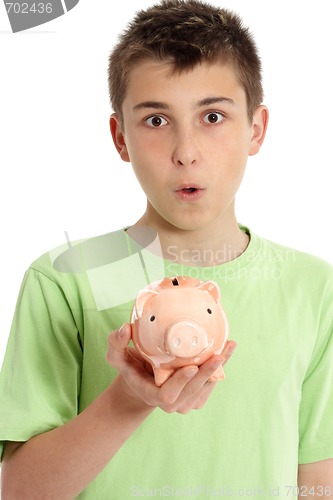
(195, 247)
(201, 249)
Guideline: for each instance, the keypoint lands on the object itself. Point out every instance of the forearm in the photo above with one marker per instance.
(61, 463)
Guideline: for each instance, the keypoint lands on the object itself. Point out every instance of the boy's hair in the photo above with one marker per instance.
(186, 33)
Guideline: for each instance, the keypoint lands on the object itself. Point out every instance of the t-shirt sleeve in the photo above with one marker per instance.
(316, 410)
(40, 376)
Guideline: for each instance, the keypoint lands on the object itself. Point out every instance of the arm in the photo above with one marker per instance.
(316, 480)
(62, 462)
(59, 464)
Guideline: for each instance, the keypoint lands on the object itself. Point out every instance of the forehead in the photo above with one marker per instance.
(152, 80)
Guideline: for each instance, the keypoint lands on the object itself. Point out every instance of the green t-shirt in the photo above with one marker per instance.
(273, 411)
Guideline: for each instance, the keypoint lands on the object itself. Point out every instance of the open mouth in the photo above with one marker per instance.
(189, 190)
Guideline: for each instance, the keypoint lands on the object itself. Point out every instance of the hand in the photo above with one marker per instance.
(188, 388)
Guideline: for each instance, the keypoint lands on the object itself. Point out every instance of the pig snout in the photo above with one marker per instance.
(185, 339)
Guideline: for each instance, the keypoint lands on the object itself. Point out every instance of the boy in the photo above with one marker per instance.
(186, 91)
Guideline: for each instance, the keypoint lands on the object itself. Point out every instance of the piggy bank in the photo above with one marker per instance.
(177, 322)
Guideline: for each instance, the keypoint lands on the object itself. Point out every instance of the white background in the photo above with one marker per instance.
(60, 172)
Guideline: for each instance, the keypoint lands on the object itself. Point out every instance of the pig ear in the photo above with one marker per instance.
(141, 300)
(212, 288)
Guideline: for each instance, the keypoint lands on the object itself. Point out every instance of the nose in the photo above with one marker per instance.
(185, 339)
(185, 151)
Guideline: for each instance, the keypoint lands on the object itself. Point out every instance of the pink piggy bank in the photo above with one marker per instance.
(177, 322)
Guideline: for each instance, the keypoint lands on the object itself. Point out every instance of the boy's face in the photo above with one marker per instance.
(187, 137)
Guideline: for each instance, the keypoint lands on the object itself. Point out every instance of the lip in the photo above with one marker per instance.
(188, 191)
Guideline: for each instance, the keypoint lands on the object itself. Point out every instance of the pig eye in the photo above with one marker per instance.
(152, 318)
(209, 311)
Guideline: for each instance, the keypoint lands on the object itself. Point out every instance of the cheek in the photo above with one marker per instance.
(230, 175)
(149, 179)
(237, 140)
(146, 145)
(234, 156)
(147, 158)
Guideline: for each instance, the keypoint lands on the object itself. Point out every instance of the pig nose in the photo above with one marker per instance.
(185, 339)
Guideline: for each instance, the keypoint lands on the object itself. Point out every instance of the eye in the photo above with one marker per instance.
(152, 318)
(213, 117)
(209, 311)
(156, 121)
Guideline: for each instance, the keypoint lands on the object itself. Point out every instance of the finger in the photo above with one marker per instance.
(191, 379)
(208, 368)
(117, 345)
(195, 386)
(173, 387)
(198, 400)
(227, 351)
(190, 385)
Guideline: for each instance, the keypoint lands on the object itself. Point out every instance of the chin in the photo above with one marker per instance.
(193, 225)
(195, 220)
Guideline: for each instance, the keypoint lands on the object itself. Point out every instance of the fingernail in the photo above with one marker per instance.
(217, 365)
(232, 348)
(121, 330)
(190, 372)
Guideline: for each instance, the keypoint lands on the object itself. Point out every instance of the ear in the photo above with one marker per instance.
(141, 300)
(259, 128)
(118, 137)
(212, 288)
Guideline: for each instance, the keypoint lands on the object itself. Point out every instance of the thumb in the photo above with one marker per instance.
(227, 351)
(117, 343)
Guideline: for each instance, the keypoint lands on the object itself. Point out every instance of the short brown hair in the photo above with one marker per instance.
(186, 33)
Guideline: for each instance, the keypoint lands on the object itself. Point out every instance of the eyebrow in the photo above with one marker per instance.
(208, 101)
(213, 100)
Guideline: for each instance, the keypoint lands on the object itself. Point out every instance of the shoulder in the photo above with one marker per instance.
(77, 257)
(298, 273)
(295, 260)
